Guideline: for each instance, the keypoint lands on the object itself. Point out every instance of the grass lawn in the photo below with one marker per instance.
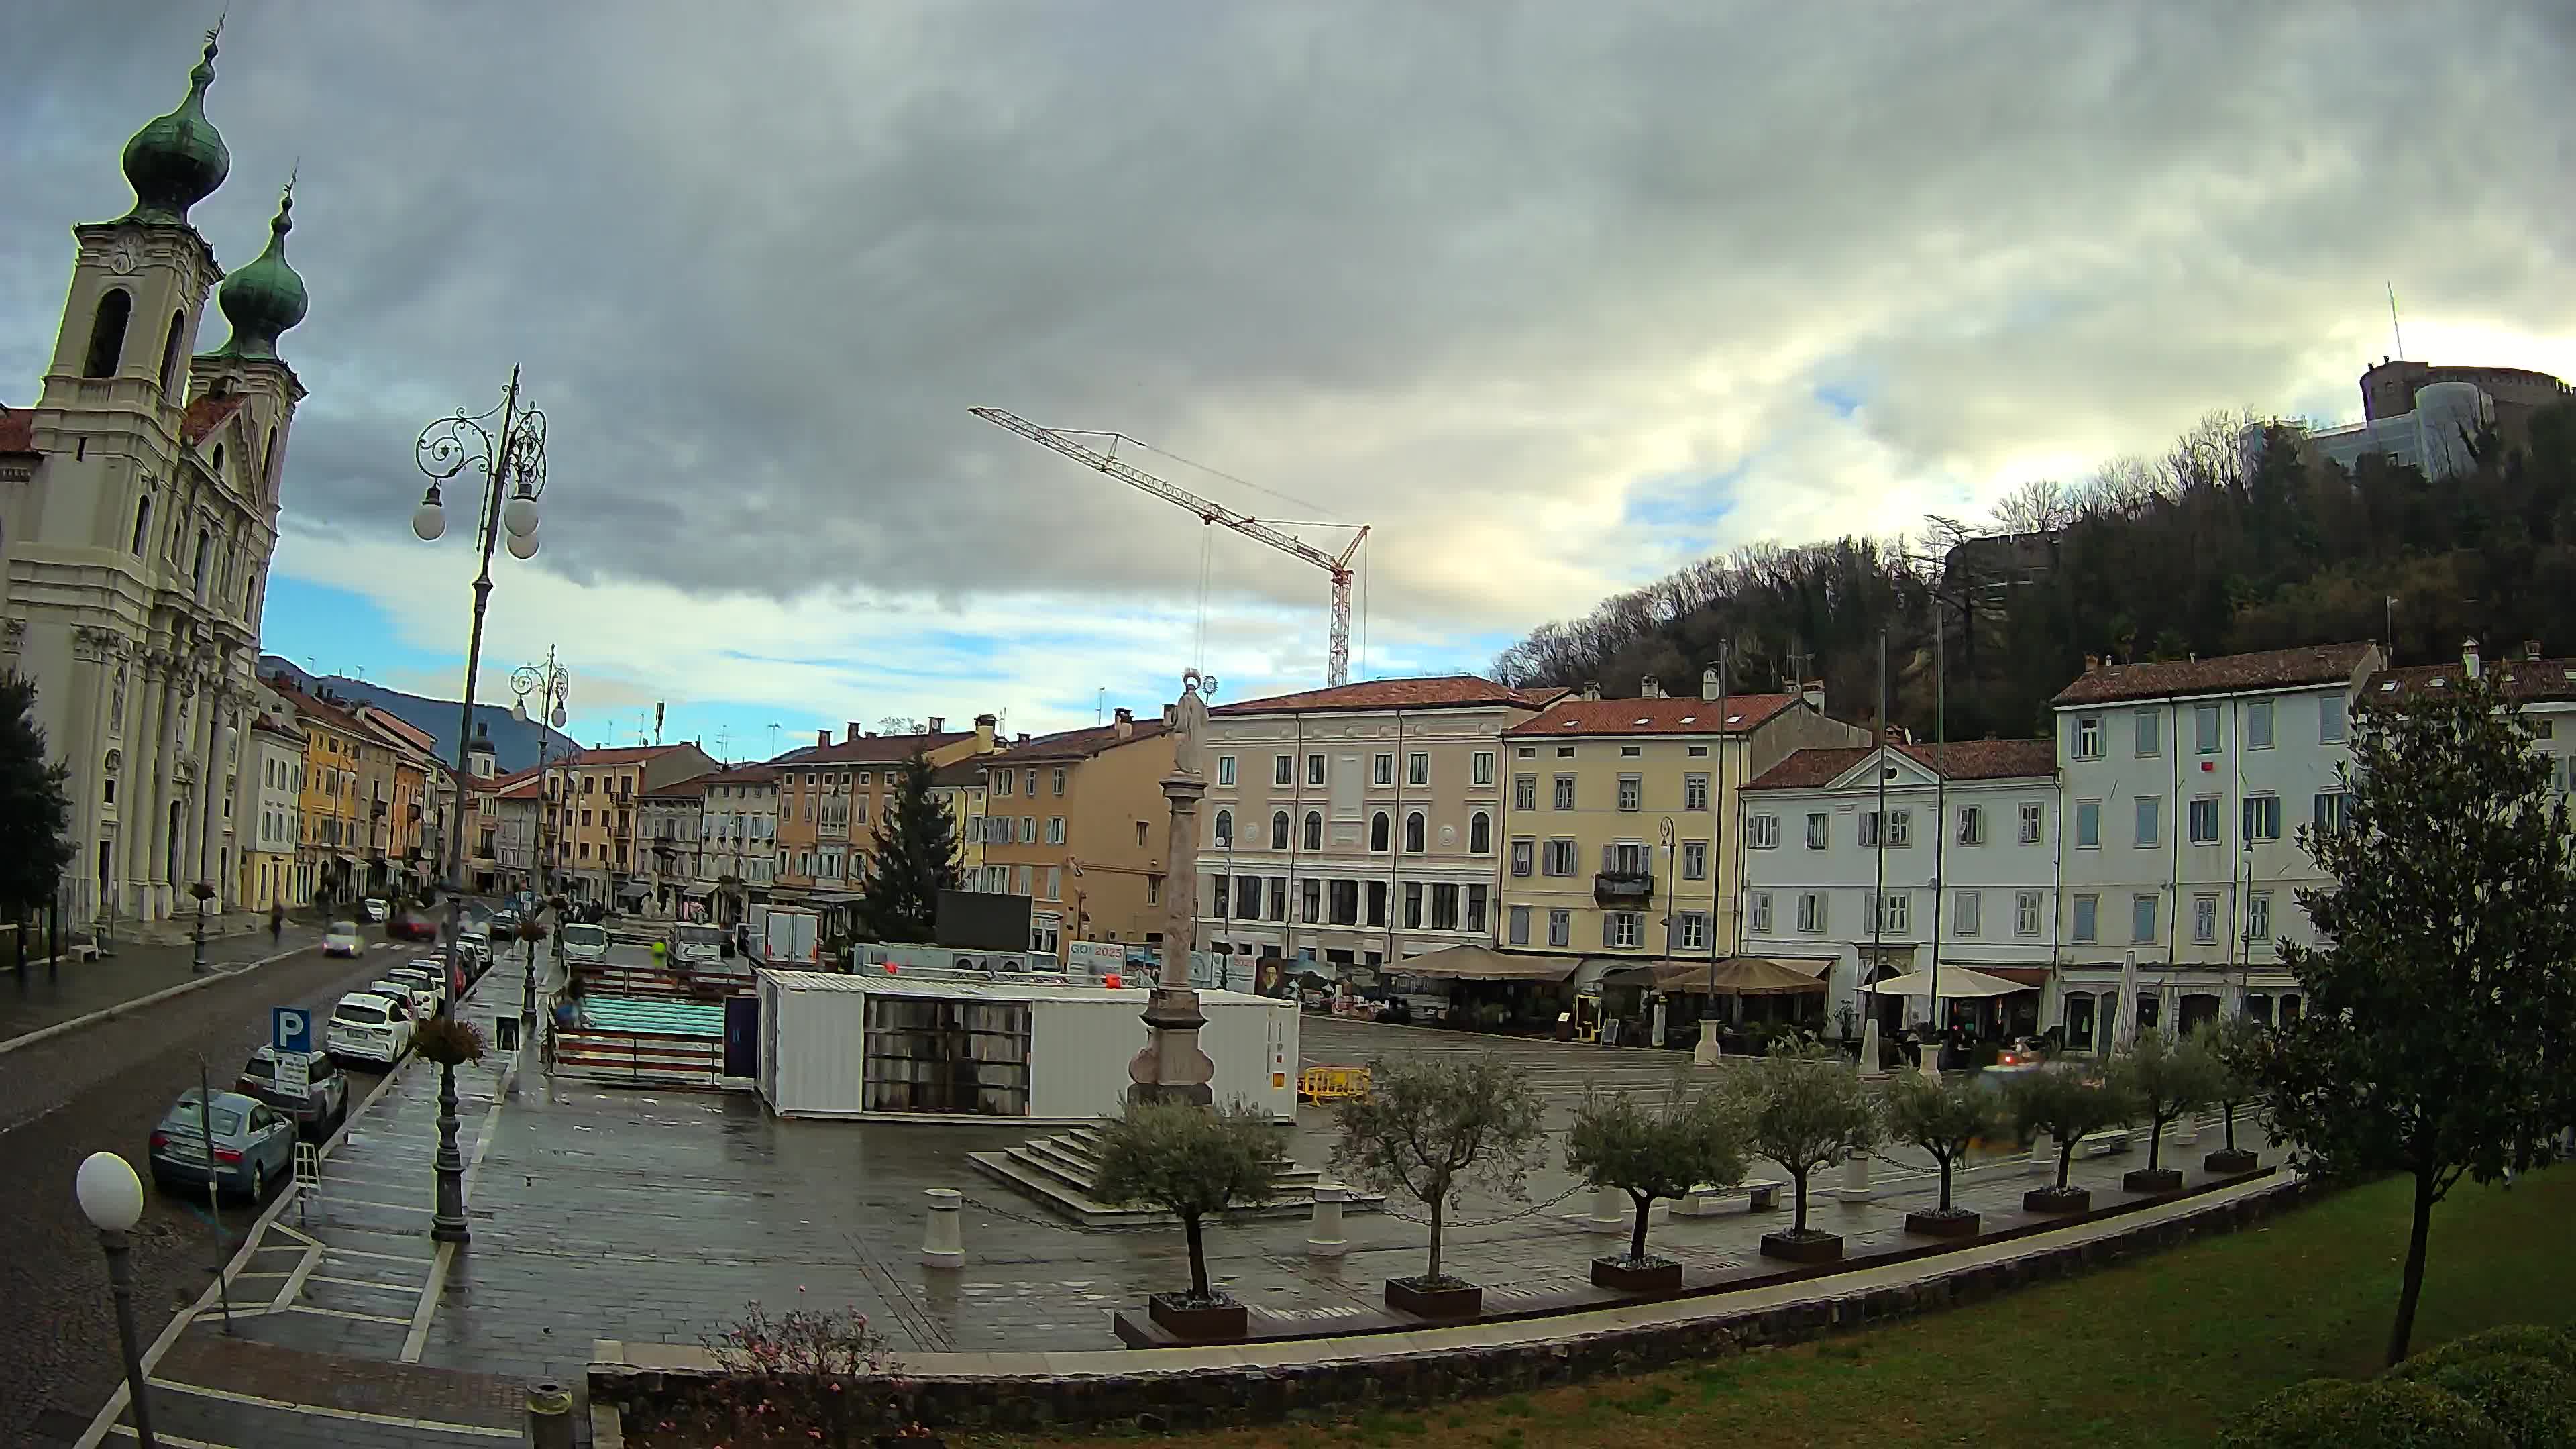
(2156, 1352)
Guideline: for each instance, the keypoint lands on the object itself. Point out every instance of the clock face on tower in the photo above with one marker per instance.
(125, 256)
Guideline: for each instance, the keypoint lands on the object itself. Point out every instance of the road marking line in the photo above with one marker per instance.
(295, 1283)
(330, 1251)
(341, 1313)
(369, 1283)
(327, 1411)
(170, 1439)
(418, 1339)
(397, 1207)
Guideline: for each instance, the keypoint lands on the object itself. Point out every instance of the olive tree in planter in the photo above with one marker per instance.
(2163, 1079)
(1429, 1130)
(2069, 1099)
(1941, 1116)
(1192, 1163)
(2237, 1047)
(1804, 1108)
(1695, 1140)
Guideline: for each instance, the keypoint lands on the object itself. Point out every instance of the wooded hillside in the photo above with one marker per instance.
(2203, 551)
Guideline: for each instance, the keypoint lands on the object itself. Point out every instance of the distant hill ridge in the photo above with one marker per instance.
(514, 743)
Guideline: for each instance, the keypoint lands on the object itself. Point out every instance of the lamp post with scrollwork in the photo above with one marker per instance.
(507, 445)
(551, 684)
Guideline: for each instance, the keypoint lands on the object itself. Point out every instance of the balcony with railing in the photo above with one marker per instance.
(1626, 889)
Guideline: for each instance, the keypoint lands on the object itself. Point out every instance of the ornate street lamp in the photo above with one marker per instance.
(111, 1197)
(507, 445)
(552, 686)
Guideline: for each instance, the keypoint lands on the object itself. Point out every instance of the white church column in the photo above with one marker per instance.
(140, 836)
(212, 791)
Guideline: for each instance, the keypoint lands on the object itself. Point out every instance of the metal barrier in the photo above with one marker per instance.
(1332, 1083)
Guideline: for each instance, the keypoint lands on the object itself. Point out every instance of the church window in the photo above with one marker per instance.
(107, 333)
(205, 546)
(142, 523)
(170, 352)
(219, 462)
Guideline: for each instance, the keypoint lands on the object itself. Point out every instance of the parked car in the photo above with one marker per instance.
(417, 1001)
(321, 1107)
(369, 1027)
(430, 977)
(342, 939)
(377, 909)
(584, 942)
(474, 948)
(254, 1144)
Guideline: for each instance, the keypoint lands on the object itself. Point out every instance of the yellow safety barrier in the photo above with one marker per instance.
(1331, 1084)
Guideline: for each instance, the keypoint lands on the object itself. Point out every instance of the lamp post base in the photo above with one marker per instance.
(447, 1224)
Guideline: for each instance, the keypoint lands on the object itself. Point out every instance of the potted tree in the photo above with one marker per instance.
(1805, 1108)
(2237, 1047)
(2163, 1079)
(1941, 1116)
(1652, 1153)
(1428, 1130)
(1190, 1162)
(2069, 1099)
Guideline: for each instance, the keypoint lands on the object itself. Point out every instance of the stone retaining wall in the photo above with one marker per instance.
(1254, 1393)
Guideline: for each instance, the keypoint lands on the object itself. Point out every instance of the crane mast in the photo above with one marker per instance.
(1337, 566)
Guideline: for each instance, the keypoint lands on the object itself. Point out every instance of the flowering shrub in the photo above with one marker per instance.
(805, 1377)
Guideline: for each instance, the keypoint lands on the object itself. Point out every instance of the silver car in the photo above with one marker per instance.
(253, 1143)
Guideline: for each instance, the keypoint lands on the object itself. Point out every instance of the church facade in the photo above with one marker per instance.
(138, 515)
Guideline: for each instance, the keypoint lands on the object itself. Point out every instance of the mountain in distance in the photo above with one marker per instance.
(514, 743)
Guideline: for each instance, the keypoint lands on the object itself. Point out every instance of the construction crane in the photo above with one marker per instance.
(1336, 565)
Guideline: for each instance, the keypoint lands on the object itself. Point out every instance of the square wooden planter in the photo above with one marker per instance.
(1187, 1318)
(1957, 1223)
(1810, 1247)
(2057, 1200)
(2228, 1163)
(1444, 1300)
(1653, 1276)
(2151, 1179)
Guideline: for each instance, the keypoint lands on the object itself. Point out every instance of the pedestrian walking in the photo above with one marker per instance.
(276, 924)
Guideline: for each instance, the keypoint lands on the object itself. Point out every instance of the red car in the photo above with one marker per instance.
(411, 926)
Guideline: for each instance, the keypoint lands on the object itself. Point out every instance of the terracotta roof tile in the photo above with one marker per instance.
(2525, 679)
(965, 772)
(692, 788)
(1571, 716)
(622, 755)
(872, 749)
(207, 414)
(1959, 760)
(2271, 669)
(17, 430)
(1079, 744)
(742, 775)
(1439, 691)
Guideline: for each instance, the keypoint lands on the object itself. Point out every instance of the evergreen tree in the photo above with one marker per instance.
(915, 859)
(2441, 1014)
(35, 811)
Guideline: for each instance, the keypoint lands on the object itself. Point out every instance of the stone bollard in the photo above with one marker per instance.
(2043, 1155)
(2187, 1131)
(1609, 1211)
(943, 1242)
(1855, 1186)
(549, 1415)
(1324, 1235)
(1869, 1047)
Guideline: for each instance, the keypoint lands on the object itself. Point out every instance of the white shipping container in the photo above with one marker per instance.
(869, 1046)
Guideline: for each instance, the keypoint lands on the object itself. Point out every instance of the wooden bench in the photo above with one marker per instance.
(1762, 1195)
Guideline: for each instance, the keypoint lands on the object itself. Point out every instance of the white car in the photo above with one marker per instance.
(342, 939)
(430, 977)
(369, 1028)
(378, 909)
(415, 998)
(584, 943)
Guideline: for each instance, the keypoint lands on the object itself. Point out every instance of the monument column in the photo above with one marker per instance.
(1172, 1067)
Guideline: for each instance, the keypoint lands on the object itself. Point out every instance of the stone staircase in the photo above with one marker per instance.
(1062, 1173)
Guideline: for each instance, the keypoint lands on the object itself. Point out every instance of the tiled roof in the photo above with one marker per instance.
(276, 726)
(2271, 669)
(962, 774)
(1571, 716)
(328, 713)
(207, 414)
(872, 749)
(524, 788)
(742, 775)
(1439, 691)
(694, 787)
(622, 755)
(1079, 744)
(1959, 760)
(17, 430)
(2525, 679)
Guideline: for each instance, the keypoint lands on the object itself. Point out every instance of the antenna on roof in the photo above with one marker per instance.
(2394, 330)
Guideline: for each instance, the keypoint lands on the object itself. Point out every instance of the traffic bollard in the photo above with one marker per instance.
(549, 1415)
(1609, 1211)
(1324, 1235)
(943, 1242)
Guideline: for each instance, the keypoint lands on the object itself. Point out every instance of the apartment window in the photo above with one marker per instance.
(1057, 782)
(1694, 860)
(1820, 827)
(2088, 824)
(2025, 913)
(1028, 830)
(1525, 792)
(1560, 928)
(1630, 752)
(1380, 835)
(1055, 830)
(1694, 792)
(1811, 912)
(1565, 792)
(2031, 815)
(1225, 769)
(1632, 792)
(1480, 834)
(1278, 897)
(1278, 830)
(2258, 724)
(2142, 918)
(1762, 832)
(1967, 913)
(1029, 782)
(1415, 829)
(1972, 825)
(1757, 912)
(1524, 856)
(2262, 817)
(1247, 897)
(1224, 827)
(1413, 905)
(1311, 901)
(1283, 771)
(1345, 903)
(1525, 752)
(2332, 724)
(2204, 729)
(1475, 918)
(1377, 903)
(2204, 919)
(2204, 820)
(1314, 769)
(1382, 770)
(1565, 752)
(2334, 807)
(585, 819)
(1896, 912)
(1516, 930)
(1417, 769)
(1220, 897)
(2151, 733)
(1481, 768)
(2258, 916)
(1002, 783)
(1620, 928)
(1314, 830)
(1559, 859)
(1694, 931)
(2151, 819)
(1153, 890)
(2088, 737)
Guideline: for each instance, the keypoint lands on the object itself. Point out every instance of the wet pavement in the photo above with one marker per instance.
(47, 995)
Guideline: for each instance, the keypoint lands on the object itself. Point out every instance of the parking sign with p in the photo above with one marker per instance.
(290, 1029)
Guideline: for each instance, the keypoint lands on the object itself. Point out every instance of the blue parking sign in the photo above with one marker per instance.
(290, 1029)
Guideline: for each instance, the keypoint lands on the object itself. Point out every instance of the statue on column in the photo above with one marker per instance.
(1172, 1067)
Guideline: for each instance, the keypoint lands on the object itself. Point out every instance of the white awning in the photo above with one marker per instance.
(1956, 982)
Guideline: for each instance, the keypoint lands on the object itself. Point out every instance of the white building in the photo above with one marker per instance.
(1960, 870)
(2185, 783)
(269, 818)
(738, 834)
(138, 513)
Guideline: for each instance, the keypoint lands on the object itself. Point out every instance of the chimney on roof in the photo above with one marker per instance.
(984, 724)
(1592, 689)
(2469, 657)
(2092, 663)
(2531, 650)
(1124, 722)
(938, 725)
(822, 737)
(1023, 739)
(850, 731)
(1708, 686)
(1650, 688)
(1894, 734)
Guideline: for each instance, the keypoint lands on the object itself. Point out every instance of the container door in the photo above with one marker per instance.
(742, 1036)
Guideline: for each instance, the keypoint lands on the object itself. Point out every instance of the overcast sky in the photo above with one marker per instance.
(1554, 297)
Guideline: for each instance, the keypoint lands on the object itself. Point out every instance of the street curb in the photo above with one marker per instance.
(61, 1028)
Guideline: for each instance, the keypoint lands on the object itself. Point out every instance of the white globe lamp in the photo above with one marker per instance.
(111, 1196)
